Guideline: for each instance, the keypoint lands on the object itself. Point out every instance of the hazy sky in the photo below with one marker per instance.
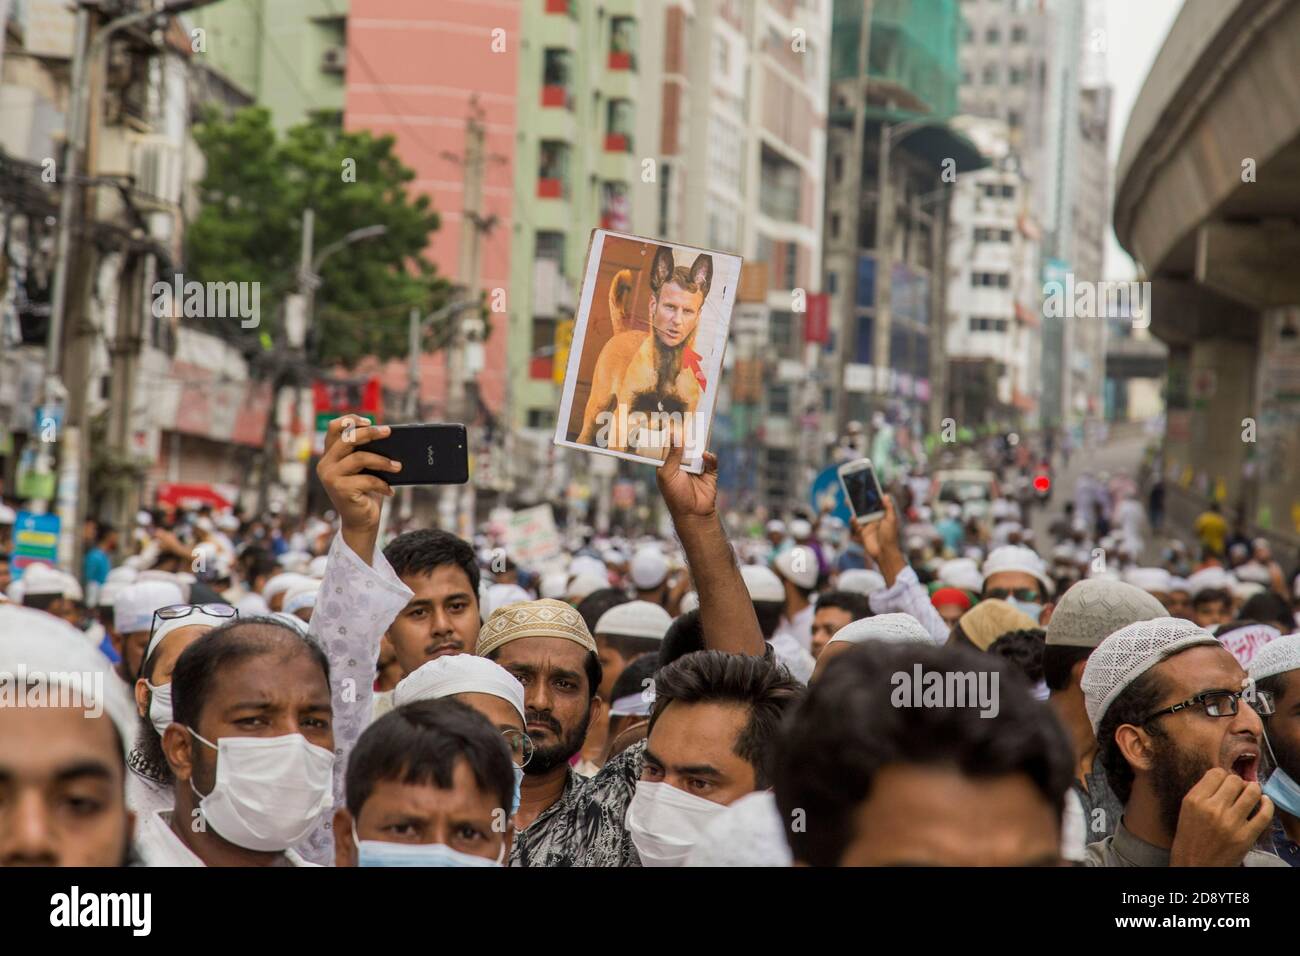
(1135, 31)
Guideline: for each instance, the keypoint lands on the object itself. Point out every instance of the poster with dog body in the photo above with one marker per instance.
(648, 342)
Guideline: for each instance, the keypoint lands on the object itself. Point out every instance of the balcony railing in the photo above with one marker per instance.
(551, 188)
(622, 60)
(618, 143)
(557, 96)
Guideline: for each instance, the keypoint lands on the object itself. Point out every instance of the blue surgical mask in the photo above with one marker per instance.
(519, 781)
(1283, 791)
(380, 853)
(1032, 608)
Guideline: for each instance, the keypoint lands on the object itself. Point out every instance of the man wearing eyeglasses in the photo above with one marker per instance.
(1180, 740)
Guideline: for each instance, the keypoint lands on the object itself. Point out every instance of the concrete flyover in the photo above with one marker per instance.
(1207, 201)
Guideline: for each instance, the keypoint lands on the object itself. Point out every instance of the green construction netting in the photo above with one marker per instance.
(914, 43)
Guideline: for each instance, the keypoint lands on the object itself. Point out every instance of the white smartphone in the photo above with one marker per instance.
(866, 500)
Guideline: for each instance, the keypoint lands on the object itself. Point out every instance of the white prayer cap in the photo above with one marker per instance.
(1015, 557)
(109, 591)
(775, 526)
(228, 522)
(963, 573)
(143, 518)
(1244, 590)
(44, 579)
(459, 674)
(635, 619)
(690, 602)
(584, 584)
(134, 607)
(7, 514)
(294, 560)
(638, 704)
(1278, 656)
(749, 832)
(36, 642)
(649, 568)
(798, 565)
(499, 595)
(554, 584)
(614, 556)
(1254, 572)
(800, 528)
(282, 582)
(1209, 579)
(586, 564)
(15, 591)
(317, 567)
(165, 627)
(860, 581)
(894, 628)
(1178, 584)
(1129, 653)
(298, 598)
(123, 574)
(762, 583)
(1149, 579)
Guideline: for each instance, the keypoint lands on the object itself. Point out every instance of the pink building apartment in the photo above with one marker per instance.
(413, 66)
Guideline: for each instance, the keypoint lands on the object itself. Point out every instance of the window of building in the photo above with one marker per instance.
(992, 36)
(837, 167)
(550, 245)
(835, 225)
(778, 399)
(780, 186)
(726, 151)
(541, 418)
(1015, 75)
(832, 282)
(1019, 34)
(990, 74)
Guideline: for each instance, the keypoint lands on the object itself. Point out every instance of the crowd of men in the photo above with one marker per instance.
(923, 689)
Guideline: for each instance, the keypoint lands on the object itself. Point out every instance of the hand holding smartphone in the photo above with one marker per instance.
(862, 489)
(431, 454)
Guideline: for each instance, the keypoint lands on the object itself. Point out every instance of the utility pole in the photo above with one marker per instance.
(462, 393)
(849, 328)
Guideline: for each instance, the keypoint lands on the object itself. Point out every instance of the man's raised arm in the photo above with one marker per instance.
(726, 612)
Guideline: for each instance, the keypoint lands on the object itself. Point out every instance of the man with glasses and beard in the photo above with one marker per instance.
(1181, 744)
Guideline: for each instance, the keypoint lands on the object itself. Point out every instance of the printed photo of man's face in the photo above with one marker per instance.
(675, 313)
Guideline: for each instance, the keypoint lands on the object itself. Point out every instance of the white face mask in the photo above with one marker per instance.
(270, 791)
(160, 706)
(666, 823)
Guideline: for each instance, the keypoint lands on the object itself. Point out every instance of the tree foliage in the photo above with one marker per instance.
(253, 194)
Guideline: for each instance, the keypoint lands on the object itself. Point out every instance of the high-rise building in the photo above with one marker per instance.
(993, 296)
(290, 56)
(884, 260)
(1039, 66)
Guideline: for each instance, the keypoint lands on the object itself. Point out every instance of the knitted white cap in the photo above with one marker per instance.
(1149, 579)
(895, 628)
(799, 565)
(135, 604)
(860, 581)
(762, 583)
(1015, 557)
(961, 573)
(649, 568)
(690, 602)
(459, 674)
(635, 619)
(1210, 579)
(1129, 653)
(1278, 656)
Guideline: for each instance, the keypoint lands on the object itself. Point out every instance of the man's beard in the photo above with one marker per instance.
(545, 759)
(1173, 775)
(147, 756)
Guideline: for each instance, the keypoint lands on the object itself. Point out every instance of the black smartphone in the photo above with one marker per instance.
(431, 454)
(862, 489)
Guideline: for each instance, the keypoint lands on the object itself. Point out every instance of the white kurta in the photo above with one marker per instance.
(158, 845)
